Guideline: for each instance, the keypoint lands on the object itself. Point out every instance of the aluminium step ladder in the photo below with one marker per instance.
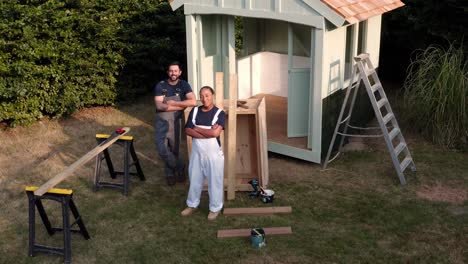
(364, 71)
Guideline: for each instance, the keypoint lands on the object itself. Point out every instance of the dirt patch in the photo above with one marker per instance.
(442, 193)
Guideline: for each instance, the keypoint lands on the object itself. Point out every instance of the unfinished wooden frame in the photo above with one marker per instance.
(244, 138)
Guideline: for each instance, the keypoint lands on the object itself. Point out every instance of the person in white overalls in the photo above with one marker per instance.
(204, 124)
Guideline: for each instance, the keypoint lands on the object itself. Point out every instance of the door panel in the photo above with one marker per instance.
(298, 102)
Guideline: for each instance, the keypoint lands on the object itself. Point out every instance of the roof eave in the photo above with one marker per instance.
(328, 13)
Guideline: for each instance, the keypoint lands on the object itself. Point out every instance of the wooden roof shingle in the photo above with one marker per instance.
(358, 10)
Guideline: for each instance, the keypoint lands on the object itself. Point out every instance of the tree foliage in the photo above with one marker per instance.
(417, 25)
(154, 36)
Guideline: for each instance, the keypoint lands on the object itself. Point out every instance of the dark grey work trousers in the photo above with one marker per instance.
(167, 136)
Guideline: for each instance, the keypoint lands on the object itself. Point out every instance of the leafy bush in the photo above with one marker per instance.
(58, 56)
(436, 95)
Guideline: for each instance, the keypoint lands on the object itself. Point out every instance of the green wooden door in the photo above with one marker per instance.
(298, 102)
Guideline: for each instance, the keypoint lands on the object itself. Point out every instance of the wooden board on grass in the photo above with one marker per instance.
(257, 210)
(227, 233)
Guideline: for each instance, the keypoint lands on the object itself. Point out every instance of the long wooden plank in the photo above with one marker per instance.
(219, 90)
(85, 158)
(232, 132)
(263, 143)
(227, 233)
(257, 210)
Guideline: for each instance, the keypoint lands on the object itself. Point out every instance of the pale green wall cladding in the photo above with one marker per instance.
(209, 34)
(238, 4)
(304, 28)
(263, 4)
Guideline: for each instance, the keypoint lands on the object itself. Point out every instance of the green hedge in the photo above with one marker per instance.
(58, 56)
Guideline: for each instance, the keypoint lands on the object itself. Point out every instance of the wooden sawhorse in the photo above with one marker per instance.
(127, 143)
(63, 196)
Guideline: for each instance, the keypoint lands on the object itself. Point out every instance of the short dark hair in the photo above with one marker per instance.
(207, 87)
(174, 63)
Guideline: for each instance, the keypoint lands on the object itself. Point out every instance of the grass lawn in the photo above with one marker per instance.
(353, 212)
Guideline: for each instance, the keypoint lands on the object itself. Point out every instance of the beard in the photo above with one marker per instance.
(174, 77)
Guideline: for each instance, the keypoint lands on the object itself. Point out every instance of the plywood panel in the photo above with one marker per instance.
(244, 146)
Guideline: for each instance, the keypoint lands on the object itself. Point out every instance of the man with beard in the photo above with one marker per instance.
(171, 97)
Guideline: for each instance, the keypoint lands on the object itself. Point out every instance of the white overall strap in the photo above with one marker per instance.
(195, 112)
(215, 118)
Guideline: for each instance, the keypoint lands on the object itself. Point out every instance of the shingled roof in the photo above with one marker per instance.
(358, 10)
(338, 12)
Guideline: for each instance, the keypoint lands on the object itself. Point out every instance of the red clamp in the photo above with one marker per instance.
(120, 131)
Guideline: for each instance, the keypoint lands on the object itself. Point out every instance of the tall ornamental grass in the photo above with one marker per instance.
(436, 93)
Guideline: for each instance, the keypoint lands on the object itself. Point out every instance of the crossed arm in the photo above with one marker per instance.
(198, 132)
(171, 105)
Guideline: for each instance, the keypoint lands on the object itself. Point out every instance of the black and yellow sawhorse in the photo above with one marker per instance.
(63, 196)
(127, 143)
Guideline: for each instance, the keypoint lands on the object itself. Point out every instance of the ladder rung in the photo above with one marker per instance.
(399, 148)
(369, 72)
(395, 132)
(375, 87)
(404, 164)
(388, 117)
(362, 56)
(381, 102)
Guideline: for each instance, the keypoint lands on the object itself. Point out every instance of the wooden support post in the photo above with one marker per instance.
(232, 132)
(85, 158)
(219, 90)
(257, 211)
(246, 232)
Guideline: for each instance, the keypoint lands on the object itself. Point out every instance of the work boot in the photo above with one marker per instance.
(212, 215)
(171, 180)
(188, 211)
